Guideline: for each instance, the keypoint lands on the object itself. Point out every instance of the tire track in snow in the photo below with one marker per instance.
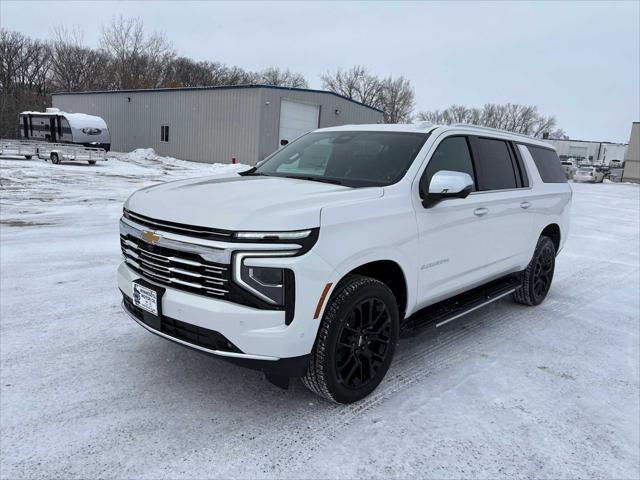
(416, 359)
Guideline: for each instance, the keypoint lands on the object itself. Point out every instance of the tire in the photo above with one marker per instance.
(91, 162)
(54, 159)
(349, 359)
(28, 157)
(537, 277)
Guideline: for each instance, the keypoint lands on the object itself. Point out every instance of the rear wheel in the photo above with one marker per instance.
(55, 159)
(355, 342)
(537, 277)
(91, 162)
(28, 157)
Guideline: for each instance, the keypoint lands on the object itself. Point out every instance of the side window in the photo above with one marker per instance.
(164, 133)
(494, 165)
(548, 164)
(452, 154)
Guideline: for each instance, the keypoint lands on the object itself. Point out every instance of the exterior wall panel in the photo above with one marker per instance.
(632, 158)
(349, 113)
(207, 125)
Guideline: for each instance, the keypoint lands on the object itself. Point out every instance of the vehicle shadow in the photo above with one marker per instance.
(201, 377)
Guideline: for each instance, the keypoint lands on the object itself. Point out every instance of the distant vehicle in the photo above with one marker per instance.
(615, 164)
(62, 127)
(589, 174)
(569, 168)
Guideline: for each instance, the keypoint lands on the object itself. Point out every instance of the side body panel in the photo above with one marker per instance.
(550, 203)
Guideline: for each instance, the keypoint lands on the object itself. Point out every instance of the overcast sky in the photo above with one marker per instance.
(577, 61)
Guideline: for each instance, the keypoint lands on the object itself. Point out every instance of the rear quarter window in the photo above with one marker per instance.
(548, 164)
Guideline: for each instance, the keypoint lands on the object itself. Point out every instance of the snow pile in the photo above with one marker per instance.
(70, 188)
(149, 158)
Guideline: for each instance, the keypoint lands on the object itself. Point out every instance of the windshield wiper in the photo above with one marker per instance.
(252, 172)
(315, 179)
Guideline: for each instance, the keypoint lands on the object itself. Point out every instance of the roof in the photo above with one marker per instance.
(583, 141)
(76, 120)
(220, 87)
(426, 127)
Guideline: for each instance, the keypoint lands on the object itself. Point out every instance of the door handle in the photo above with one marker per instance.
(479, 212)
(525, 205)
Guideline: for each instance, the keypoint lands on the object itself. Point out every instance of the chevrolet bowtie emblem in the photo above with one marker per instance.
(150, 237)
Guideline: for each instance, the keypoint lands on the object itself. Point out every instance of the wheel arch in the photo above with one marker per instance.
(553, 232)
(391, 274)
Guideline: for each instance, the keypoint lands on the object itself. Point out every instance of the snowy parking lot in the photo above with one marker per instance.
(508, 390)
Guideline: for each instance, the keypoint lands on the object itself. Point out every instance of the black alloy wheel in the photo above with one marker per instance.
(356, 340)
(537, 277)
(363, 343)
(543, 272)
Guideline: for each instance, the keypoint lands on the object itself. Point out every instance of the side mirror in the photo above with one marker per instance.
(446, 184)
(284, 142)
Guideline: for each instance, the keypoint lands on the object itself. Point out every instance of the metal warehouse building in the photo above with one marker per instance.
(590, 151)
(215, 124)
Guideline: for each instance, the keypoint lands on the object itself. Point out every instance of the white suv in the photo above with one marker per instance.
(313, 263)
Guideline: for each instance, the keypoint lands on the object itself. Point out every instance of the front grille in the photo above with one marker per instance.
(203, 337)
(174, 268)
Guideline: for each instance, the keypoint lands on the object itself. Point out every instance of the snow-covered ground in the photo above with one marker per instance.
(546, 392)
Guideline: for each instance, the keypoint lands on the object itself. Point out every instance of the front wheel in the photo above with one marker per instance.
(537, 277)
(55, 159)
(355, 342)
(91, 162)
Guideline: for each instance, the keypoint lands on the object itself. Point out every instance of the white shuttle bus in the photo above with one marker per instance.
(62, 127)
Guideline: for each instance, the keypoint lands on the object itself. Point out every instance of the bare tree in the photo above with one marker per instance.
(357, 84)
(397, 99)
(282, 78)
(138, 60)
(516, 118)
(23, 77)
(75, 67)
(394, 96)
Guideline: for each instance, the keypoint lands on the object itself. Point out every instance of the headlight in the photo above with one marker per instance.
(267, 283)
(295, 235)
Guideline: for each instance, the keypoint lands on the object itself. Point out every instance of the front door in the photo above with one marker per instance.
(52, 129)
(454, 233)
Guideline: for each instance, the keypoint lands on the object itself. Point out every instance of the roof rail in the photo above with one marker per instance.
(489, 129)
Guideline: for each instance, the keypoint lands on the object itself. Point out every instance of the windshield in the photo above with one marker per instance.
(354, 159)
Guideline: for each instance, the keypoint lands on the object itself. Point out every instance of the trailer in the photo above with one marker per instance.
(56, 152)
(18, 148)
(59, 152)
(56, 126)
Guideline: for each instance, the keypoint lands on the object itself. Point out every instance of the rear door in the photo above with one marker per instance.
(296, 119)
(504, 197)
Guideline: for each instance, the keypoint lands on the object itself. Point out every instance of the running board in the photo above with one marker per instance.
(455, 307)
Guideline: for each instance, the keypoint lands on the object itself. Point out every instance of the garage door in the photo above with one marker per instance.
(296, 119)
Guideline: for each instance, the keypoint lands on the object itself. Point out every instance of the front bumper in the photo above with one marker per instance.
(259, 334)
(282, 367)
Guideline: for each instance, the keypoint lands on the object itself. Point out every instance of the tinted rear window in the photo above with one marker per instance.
(548, 165)
(494, 165)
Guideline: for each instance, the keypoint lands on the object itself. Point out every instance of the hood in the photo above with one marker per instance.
(244, 203)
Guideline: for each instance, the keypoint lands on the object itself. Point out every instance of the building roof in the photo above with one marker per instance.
(220, 87)
(583, 141)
